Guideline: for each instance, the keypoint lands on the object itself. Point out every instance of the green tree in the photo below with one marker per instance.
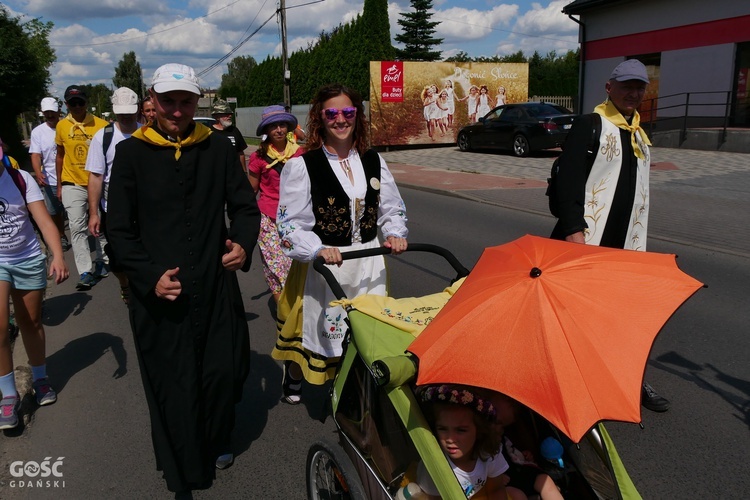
(128, 74)
(234, 82)
(99, 96)
(342, 55)
(460, 56)
(418, 33)
(25, 58)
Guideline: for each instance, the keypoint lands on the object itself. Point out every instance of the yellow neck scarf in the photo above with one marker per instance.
(608, 110)
(88, 120)
(276, 156)
(147, 134)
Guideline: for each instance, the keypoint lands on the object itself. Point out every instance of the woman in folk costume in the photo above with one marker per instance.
(278, 145)
(332, 199)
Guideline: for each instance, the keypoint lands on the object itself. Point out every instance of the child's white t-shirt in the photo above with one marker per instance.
(471, 482)
(18, 240)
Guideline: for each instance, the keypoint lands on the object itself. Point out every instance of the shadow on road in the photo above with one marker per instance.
(261, 393)
(83, 352)
(736, 391)
(57, 309)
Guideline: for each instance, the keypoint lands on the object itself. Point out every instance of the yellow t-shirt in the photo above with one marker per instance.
(76, 143)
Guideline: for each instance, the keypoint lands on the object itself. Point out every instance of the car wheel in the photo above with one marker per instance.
(463, 142)
(521, 146)
(331, 474)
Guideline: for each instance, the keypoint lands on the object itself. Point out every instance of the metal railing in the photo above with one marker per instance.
(561, 100)
(650, 108)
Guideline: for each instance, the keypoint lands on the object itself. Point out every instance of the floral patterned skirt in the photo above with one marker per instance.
(275, 263)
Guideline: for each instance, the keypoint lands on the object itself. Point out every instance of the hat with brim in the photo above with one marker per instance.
(124, 101)
(632, 69)
(50, 104)
(275, 114)
(172, 76)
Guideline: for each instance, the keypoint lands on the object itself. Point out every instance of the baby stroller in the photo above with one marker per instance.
(382, 432)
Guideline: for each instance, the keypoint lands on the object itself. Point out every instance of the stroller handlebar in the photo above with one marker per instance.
(320, 266)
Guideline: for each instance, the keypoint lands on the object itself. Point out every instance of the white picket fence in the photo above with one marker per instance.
(561, 100)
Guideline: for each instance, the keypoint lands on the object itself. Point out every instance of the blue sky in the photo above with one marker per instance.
(90, 36)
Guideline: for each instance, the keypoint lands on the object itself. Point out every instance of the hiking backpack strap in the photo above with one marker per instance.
(109, 132)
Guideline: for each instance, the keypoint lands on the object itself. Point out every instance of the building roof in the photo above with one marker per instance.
(582, 6)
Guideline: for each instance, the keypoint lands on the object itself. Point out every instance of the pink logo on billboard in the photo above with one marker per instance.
(392, 84)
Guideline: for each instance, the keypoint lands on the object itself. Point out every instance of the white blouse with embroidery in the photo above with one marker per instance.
(295, 219)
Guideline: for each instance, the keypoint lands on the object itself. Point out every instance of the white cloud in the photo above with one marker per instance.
(457, 24)
(85, 9)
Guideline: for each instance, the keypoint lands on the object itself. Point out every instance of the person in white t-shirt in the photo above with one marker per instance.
(99, 167)
(43, 152)
(23, 276)
(462, 423)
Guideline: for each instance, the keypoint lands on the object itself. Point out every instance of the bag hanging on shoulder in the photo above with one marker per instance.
(551, 192)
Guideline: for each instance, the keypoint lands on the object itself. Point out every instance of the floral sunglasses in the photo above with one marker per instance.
(331, 113)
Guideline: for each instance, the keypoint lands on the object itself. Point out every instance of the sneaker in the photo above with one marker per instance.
(652, 401)
(224, 461)
(65, 243)
(86, 282)
(291, 389)
(100, 270)
(45, 394)
(9, 412)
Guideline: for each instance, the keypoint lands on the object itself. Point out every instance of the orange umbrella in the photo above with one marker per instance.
(564, 328)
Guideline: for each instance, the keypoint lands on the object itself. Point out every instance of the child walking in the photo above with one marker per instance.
(462, 423)
(23, 276)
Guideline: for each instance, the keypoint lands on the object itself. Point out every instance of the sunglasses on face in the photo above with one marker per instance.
(332, 113)
(76, 103)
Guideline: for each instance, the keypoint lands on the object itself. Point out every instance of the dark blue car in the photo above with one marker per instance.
(521, 128)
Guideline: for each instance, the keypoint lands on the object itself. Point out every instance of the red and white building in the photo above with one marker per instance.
(697, 53)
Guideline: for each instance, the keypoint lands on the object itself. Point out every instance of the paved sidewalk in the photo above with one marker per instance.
(698, 198)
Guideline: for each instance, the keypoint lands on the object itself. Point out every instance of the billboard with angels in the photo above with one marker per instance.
(428, 102)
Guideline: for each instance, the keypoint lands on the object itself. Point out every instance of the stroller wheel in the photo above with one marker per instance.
(331, 474)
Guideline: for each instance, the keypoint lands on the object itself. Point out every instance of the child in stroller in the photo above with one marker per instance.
(463, 425)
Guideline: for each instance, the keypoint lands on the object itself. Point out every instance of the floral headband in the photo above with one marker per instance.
(457, 395)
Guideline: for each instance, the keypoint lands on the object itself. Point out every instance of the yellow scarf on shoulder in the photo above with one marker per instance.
(281, 156)
(147, 134)
(608, 110)
(88, 121)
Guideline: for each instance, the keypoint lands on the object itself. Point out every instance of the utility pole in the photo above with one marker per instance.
(284, 60)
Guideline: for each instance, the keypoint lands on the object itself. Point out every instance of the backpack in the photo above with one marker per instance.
(20, 183)
(593, 146)
(109, 132)
(17, 178)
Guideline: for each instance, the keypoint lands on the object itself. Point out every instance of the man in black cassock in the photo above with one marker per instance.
(169, 188)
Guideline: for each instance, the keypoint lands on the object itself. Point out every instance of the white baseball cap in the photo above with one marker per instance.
(50, 104)
(175, 76)
(124, 101)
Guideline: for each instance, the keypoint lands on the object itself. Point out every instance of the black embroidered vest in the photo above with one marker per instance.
(331, 204)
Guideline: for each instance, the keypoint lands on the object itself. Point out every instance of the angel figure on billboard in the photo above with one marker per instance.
(500, 100)
(429, 105)
(451, 101)
(472, 97)
(442, 118)
(483, 102)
